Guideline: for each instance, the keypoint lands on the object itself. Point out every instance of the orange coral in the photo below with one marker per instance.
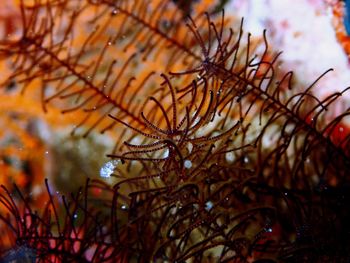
(338, 8)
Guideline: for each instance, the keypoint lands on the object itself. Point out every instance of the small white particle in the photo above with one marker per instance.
(108, 168)
(172, 233)
(173, 210)
(209, 205)
(230, 157)
(189, 147)
(37, 190)
(166, 153)
(187, 164)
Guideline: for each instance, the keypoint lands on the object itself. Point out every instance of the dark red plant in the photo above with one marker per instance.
(217, 158)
